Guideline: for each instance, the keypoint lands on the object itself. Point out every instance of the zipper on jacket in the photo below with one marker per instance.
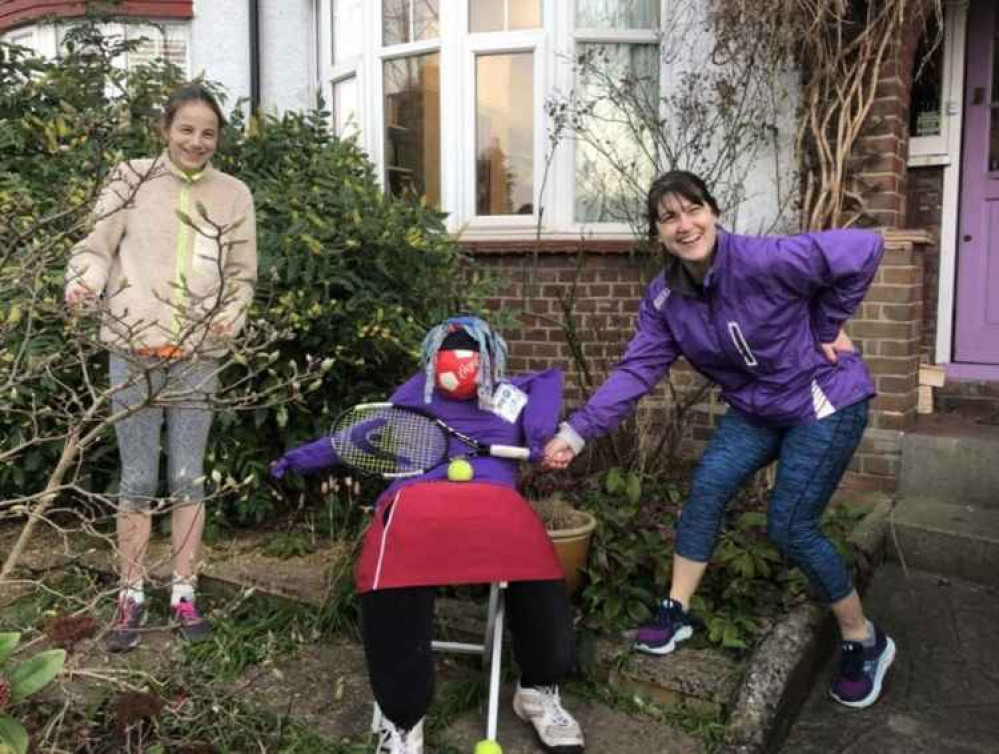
(180, 257)
(723, 334)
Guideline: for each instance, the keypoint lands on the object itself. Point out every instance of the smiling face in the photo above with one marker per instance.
(192, 135)
(688, 229)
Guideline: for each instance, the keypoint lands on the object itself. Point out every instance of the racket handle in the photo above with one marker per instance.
(509, 451)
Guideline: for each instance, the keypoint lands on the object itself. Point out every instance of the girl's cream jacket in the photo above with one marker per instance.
(172, 255)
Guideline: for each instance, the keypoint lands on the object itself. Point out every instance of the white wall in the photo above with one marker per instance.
(220, 48)
(764, 174)
(220, 45)
(287, 54)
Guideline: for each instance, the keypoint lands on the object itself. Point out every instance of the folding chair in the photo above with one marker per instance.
(491, 650)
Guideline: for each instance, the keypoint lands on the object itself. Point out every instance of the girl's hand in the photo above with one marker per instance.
(842, 343)
(79, 295)
(558, 454)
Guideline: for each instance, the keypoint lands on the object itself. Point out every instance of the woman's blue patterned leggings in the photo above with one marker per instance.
(811, 460)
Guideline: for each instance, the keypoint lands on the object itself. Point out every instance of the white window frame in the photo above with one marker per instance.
(955, 45)
(498, 43)
(25, 36)
(553, 45)
(935, 150)
(609, 37)
(171, 30)
(333, 72)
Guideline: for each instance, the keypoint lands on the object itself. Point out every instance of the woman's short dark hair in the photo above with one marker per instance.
(193, 92)
(682, 183)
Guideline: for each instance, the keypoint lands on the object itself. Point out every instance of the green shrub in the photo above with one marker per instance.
(348, 275)
(17, 683)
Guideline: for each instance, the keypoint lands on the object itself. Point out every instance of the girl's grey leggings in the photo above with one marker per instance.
(178, 392)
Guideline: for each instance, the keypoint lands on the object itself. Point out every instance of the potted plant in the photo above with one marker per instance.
(570, 530)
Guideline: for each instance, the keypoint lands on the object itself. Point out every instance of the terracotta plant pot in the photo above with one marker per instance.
(573, 547)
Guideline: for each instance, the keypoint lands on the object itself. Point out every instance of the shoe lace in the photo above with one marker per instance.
(186, 612)
(126, 609)
(553, 704)
(669, 613)
(851, 664)
(390, 739)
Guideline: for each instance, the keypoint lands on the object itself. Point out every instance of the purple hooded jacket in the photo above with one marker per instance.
(533, 427)
(753, 327)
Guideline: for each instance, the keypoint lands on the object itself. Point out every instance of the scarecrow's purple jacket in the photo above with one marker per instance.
(753, 328)
(533, 428)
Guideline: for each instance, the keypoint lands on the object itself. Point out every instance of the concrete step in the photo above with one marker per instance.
(952, 540)
(953, 460)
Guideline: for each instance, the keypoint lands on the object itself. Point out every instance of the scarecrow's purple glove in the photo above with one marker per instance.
(306, 459)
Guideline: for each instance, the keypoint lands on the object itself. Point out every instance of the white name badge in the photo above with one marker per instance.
(508, 402)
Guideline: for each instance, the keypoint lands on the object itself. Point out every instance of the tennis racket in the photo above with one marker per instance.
(395, 441)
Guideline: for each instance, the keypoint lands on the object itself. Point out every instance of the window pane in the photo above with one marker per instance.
(486, 15)
(503, 15)
(346, 113)
(617, 14)
(525, 14)
(409, 21)
(346, 27)
(426, 20)
(504, 133)
(927, 84)
(613, 168)
(412, 126)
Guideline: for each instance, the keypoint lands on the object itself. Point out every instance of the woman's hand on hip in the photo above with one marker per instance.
(842, 344)
(558, 454)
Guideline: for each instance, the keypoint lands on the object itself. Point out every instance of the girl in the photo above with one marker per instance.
(172, 291)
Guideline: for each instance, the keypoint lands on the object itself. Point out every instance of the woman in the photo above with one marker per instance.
(433, 530)
(762, 317)
(172, 261)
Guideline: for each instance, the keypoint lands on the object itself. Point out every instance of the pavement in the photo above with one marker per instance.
(941, 695)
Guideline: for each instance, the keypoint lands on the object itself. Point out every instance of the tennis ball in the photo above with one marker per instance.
(488, 747)
(460, 470)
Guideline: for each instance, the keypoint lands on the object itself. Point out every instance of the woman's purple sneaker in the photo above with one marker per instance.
(671, 626)
(862, 671)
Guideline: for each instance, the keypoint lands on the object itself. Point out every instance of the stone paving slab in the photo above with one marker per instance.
(942, 694)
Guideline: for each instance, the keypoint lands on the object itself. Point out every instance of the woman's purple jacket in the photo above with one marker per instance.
(533, 427)
(753, 327)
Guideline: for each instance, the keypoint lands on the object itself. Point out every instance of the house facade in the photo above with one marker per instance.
(459, 101)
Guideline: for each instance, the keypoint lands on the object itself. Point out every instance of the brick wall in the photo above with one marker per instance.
(609, 283)
(924, 207)
(888, 328)
(878, 166)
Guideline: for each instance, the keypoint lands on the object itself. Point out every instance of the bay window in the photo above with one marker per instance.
(448, 99)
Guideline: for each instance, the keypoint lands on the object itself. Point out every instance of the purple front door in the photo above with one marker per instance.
(976, 337)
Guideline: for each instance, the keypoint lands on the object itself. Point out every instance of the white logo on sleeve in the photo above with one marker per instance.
(661, 299)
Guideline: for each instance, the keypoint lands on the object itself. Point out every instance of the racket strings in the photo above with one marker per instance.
(388, 440)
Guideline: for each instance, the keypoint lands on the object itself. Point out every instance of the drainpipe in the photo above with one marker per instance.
(254, 56)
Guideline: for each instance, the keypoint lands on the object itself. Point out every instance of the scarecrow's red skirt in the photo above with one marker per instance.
(435, 533)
